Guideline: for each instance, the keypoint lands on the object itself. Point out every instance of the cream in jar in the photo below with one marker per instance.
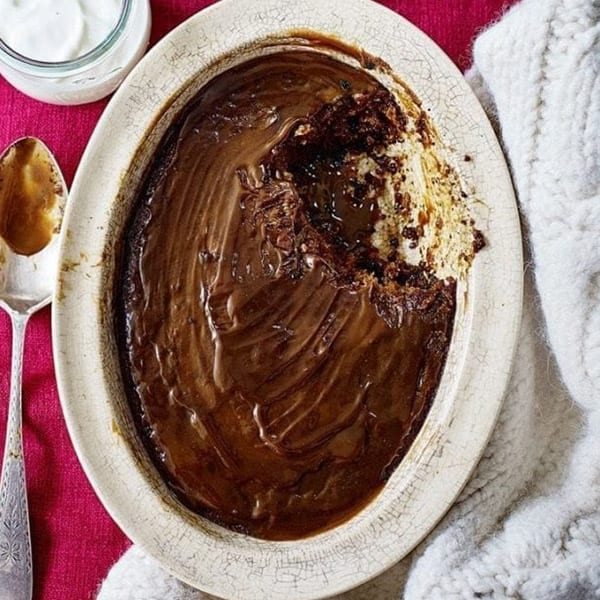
(71, 51)
(57, 30)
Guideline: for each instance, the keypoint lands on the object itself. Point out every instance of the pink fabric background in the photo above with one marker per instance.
(74, 540)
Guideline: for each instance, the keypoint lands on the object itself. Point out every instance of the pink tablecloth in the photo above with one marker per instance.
(74, 540)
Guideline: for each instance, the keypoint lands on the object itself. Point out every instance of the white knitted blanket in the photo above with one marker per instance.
(527, 526)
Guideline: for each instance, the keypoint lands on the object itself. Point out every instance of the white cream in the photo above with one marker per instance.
(57, 30)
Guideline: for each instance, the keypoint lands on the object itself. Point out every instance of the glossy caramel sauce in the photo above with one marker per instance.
(278, 366)
(30, 189)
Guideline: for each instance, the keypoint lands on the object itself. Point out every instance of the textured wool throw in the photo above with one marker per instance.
(527, 526)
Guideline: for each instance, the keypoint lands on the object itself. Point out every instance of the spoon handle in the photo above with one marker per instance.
(15, 544)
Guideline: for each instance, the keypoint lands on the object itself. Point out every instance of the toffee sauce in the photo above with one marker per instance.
(277, 366)
(30, 189)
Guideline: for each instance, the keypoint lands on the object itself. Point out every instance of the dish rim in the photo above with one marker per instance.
(76, 298)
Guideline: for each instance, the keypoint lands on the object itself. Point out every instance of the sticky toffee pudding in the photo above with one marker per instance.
(285, 301)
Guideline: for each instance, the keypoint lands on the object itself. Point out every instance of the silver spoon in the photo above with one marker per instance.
(32, 198)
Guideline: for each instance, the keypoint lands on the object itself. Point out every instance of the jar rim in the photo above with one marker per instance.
(44, 68)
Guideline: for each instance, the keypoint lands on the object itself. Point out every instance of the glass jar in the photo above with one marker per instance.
(90, 76)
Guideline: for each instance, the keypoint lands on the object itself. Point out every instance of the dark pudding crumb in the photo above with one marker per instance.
(478, 240)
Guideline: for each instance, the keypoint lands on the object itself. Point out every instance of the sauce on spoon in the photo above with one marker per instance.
(30, 190)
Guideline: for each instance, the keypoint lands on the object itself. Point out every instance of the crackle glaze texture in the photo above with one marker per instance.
(448, 446)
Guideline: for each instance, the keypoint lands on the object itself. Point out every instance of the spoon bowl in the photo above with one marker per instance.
(27, 280)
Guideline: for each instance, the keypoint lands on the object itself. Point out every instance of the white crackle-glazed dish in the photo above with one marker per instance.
(464, 411)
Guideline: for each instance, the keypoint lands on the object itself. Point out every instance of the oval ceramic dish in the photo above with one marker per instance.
(463, 414)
